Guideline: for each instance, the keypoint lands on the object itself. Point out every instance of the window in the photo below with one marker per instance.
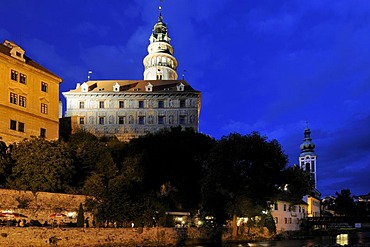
(13, 125)
(101, 120)
(101, 104)
(44, 87)
(121, 120)
(14, 75)
(290, 220)
(182, 103)
(82, 104)
(141, 104)
(121, 104)
(13, 98)
(160, 119)
(275, 206)
(286, 220)
(160, 104)
(82, 120)
(44, 108)
(20, 127)
(22, 101)
(141, 120)
(276, 219)
(284, 207)
(42, 132)
(299, 208)
(182, 120)
(23, 78)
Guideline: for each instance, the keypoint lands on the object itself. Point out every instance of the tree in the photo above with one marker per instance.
(241, 175)
(344, 203)
(171, 162)
(6, 163)
(295, 183)
(41, 165)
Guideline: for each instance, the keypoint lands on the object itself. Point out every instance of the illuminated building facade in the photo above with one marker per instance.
(288, 217)
(128, 109)
(29, 99)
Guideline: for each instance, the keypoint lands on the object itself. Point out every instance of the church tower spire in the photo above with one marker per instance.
(308, 157)
(160, 64)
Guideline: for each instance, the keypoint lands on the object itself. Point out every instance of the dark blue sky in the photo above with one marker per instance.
(266, 66)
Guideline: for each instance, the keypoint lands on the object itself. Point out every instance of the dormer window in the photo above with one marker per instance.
(180, 87)
(84, 87)
(116, 87)
(15, 50)
(149, 87)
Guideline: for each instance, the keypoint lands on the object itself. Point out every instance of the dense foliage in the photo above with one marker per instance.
(172, 170)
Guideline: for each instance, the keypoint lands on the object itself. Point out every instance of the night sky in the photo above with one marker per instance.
(268, 65)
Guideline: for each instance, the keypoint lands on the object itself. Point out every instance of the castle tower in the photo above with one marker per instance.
(160, 64)
(308, 158)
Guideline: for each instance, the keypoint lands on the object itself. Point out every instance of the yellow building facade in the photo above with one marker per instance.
(29, 97)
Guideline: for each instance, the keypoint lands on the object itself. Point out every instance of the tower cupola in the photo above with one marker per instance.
(160, 64)
(307, 146)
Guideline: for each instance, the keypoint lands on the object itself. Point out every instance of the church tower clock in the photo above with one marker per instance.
(308, 158)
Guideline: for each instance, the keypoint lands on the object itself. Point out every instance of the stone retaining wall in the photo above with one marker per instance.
(41, 205)
(40, 236)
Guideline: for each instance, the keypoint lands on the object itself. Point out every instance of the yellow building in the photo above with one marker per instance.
(29, 98)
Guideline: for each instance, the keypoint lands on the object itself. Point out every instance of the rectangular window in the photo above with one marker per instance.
(141, 104)
(160, 104)
(121, 104)
(182, 120)
(44, 87)
(286, 220)
(182, 103)
(284, 207)
(276, 219)
(101, 120)
(276, 206)
(121, 120)
(44, 108)
(82, 104)
(13, 98)
(20, 127)
(22, 101)
(101, 104)
(13, 125)
(160, 119)
(14, 75)
(23, 78)
(312, 166)
(42, 132)
(141, 120)
(82, 120)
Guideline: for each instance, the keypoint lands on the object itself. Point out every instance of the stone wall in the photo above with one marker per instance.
(43, 236)
(42, 205)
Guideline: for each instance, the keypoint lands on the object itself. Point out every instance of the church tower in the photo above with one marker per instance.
(308, 158)
(160, 64)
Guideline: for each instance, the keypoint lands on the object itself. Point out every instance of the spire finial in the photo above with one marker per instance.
(160, 10)
(89, 75)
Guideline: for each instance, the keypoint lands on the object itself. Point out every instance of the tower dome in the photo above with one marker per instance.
(307, 147)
